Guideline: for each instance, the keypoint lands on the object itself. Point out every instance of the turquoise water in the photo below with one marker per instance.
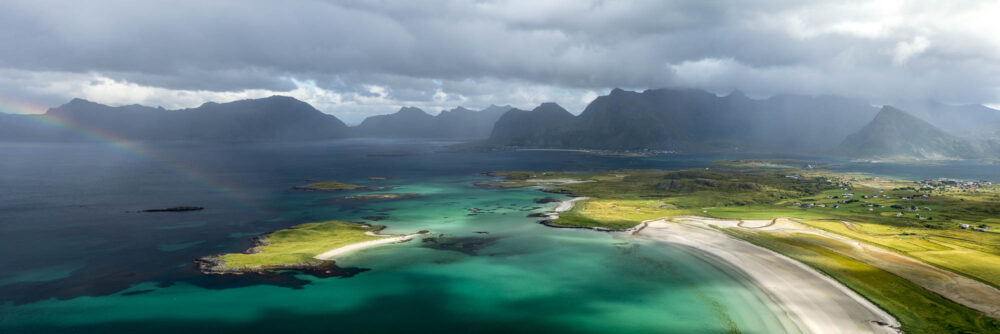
(78, 258)
(519, 276)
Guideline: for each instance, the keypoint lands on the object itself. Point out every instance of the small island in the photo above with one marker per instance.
(176, 209)
(380, 197)
(304, 246)
(518, 179)
(334, 186)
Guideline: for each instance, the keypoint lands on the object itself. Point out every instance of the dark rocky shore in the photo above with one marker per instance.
(211, 265)
(363, 188)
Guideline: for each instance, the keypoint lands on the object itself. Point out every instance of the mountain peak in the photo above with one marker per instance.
(550, 107)
(737, 94)
(412, 111)
(77, 105)
(891, 110)
(895, 134)
(458, 109)
(892, 114)
(77, 100)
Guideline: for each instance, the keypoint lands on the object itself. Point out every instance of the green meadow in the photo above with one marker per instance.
(299, 244)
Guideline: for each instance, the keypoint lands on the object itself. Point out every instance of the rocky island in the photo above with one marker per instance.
(335, 186)
(380, 197)
(176, 209)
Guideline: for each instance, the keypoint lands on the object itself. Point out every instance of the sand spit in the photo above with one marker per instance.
(331, 254)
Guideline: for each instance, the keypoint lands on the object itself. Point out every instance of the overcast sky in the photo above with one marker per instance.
(358, 58)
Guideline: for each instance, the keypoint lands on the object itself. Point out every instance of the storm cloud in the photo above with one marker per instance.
(357, 58)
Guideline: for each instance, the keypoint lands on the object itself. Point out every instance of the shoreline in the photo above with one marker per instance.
(331, 254)
(551, 216)
(813, 301)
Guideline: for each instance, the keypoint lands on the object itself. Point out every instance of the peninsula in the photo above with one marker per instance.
(924, 252)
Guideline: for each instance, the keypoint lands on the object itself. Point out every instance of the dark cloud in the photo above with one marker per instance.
(374, 56)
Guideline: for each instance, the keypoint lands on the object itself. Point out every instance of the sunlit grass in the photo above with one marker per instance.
(299, 244)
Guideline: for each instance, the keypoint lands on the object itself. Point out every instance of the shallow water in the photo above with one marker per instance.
(78, 257)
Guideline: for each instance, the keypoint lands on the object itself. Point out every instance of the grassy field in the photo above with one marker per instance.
(917, 309)
(920, 220)
(972, 254)
(298, 244)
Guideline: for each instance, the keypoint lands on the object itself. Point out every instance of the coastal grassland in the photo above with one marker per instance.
(618, 214)
(970, 253)
(917, 309)
(629, 197)
(298, 244)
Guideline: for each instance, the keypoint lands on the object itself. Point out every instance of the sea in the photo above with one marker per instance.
(79, 255)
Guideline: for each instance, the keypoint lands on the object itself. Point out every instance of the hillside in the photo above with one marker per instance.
(538, 127)
(894, 134)
(408, 122)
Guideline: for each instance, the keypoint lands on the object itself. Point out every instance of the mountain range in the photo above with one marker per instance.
(691, 120)
(668, 119)
(410, 122)
(272, 118)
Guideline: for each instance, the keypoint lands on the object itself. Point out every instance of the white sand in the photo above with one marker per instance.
(563, 207)
(814, 302)
(331, 254)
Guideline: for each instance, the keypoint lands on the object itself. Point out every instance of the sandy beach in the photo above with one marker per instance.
(960, 289)
(331, 254)
(563, 207)
(814, 302)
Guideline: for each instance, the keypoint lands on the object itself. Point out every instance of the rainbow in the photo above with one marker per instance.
(187, 170)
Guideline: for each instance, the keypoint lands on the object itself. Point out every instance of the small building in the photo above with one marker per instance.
(964, 226)
(899, 214)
